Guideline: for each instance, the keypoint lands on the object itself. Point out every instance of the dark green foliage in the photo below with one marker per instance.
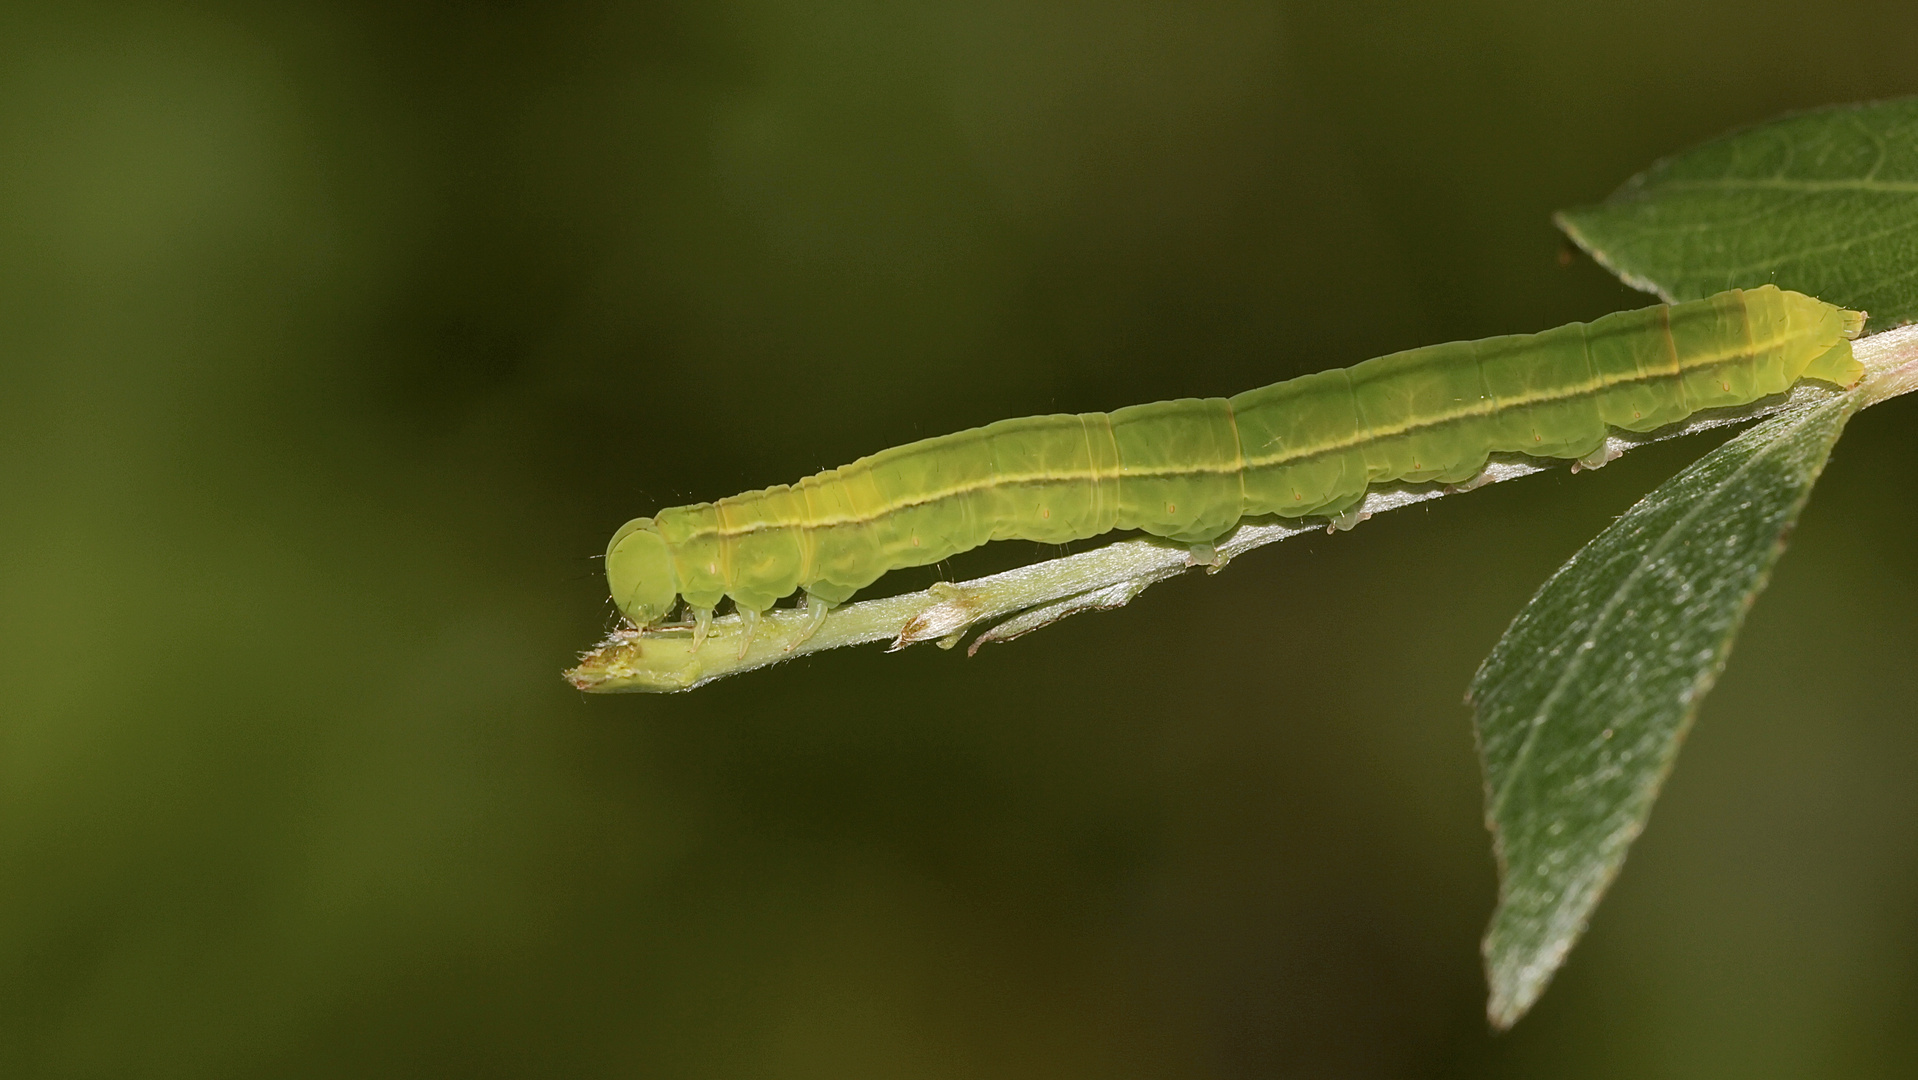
(1582, 706)
(1823, 202)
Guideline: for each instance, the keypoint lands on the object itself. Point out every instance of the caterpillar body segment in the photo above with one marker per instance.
(1191, 469)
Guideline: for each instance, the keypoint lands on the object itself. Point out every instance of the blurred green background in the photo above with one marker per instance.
(336, 338)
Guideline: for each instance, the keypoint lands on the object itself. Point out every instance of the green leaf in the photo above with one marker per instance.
(1823, 202)
(1582, 705)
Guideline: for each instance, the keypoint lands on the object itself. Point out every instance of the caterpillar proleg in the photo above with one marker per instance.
(1191, 469)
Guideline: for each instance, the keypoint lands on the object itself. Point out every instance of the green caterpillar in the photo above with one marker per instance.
(1191, 469)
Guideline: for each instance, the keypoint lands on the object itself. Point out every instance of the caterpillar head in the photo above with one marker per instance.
(639, 570)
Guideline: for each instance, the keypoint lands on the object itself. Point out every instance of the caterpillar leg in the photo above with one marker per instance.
(1203, 555)
(749, 619)
(816, 609)
(1346, 520)
(702, 625)
(1599, 458)
(1483, 477)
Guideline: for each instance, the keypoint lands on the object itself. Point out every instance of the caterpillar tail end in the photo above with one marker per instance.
(1837, 366)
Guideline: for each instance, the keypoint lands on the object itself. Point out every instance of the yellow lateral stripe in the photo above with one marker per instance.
(1472, 410)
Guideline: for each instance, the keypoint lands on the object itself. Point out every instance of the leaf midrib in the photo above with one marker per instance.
(1577, 663)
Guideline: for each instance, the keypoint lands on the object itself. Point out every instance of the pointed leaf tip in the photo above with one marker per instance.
(1582, 705)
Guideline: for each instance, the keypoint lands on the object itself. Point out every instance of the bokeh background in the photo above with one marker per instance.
(336, 338)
